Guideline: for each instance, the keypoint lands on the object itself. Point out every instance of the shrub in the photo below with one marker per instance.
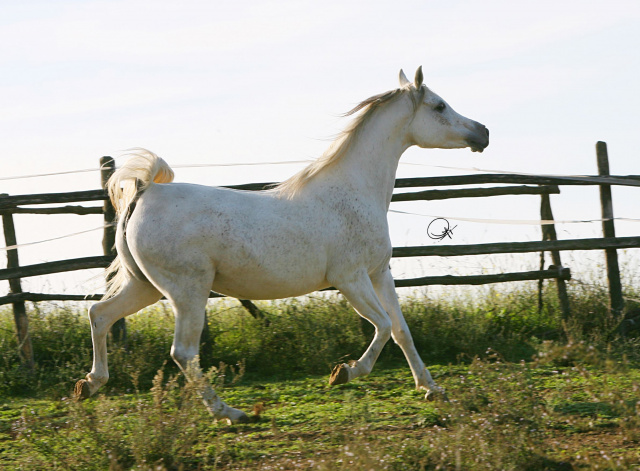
(306, 336)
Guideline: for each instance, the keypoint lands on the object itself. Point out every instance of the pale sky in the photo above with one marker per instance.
(204, 82)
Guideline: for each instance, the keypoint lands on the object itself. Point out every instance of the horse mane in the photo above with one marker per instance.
(341, 144)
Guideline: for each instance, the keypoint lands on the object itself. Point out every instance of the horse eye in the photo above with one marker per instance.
(440, 107)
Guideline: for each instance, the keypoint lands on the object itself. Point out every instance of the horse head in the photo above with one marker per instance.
(436, 125)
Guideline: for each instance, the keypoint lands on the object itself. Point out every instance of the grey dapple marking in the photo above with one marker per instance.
(325, 226)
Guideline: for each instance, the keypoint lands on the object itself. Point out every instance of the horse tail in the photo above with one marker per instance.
(124, 187)
(141, 170)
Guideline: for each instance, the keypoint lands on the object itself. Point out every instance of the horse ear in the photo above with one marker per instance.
(419, 77)
(404, 81)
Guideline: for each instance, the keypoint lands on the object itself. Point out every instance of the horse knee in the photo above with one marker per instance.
(402, 336)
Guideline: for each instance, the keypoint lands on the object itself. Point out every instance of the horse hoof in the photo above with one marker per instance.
(242, 419)
(81, 390)
(339, 375)
(439, 396)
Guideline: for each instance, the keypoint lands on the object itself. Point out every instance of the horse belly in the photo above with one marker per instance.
(283, 278)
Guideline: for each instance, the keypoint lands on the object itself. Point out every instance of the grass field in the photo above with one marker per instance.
(527, 391)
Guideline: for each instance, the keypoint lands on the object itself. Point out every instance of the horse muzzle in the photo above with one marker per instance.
(479, 140)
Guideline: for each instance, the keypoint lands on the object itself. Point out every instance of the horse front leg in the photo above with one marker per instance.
(360, 293)
(385, 288)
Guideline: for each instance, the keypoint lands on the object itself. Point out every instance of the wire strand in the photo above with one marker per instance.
(584, 283)
(605, 180)
(532, 222)
(18, 246)
(19, 177)
(474, 220)
(239, 164)
(244, 164)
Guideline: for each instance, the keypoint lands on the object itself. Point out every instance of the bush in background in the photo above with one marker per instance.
(306, 336)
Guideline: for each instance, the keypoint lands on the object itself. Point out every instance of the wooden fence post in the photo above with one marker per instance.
(206, 344)
(19, 310)
(549, 233)
(541, 281)
(107, 167)
(255, 311)
(608, 229)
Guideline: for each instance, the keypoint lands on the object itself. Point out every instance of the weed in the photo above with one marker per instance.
(528, 391)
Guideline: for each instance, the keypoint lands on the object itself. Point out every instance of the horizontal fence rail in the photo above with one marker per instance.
(552, 273)
(506, 178)
(557, 273)
(431, 195)
(61, 266)
(79, 210)
(623, 180)
(518, 247)
(9, 202)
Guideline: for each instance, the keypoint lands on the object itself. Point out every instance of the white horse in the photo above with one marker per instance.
(325, 226)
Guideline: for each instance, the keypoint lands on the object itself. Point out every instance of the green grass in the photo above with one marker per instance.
(528, 391)
(520, 416)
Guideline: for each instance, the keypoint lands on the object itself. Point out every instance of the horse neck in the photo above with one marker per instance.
(370, 164)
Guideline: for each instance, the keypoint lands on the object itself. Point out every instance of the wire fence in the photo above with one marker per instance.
(628, 181)
(562, 179)
(532, 222)
(98, 169)
(546, 185)
(536, 222)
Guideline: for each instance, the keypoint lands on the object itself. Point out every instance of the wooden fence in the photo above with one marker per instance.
(543, 186)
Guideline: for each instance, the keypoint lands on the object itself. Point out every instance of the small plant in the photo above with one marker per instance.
(217, 377)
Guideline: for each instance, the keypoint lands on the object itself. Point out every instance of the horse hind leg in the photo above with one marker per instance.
(189, 312)
(135, 295)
